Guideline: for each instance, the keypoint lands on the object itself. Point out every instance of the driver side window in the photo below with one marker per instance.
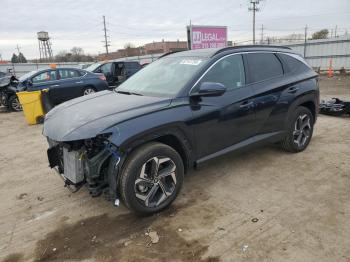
(44, 77)
(106, 68)
(229, 71)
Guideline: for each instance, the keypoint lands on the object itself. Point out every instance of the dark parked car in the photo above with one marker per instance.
(8, 90)
(115, 72)
(137, 141)
(63, 83)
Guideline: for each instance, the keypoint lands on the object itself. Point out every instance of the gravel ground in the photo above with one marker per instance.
(262, 205)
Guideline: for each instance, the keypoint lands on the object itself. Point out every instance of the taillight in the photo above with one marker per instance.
(102, 77)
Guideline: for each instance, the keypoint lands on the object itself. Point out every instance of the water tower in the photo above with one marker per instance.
(44, 46)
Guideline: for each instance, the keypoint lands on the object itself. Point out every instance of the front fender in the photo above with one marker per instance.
(173, 120)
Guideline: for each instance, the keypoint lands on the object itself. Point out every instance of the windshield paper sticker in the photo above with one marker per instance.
(194, 62)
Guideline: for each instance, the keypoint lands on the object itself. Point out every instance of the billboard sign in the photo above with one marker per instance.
(200, 37)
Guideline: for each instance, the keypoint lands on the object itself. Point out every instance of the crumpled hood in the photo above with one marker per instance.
(87, 116)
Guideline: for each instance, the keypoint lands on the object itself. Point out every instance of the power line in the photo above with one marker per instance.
(106, 45)
(254, 8)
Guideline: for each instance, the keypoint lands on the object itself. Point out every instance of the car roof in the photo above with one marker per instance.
(47, 69)
(120, 60)
(210, 52)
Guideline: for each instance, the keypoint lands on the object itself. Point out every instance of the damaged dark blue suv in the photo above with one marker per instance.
(137, 142)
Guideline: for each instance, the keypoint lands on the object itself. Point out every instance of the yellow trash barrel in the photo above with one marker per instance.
(32, 106)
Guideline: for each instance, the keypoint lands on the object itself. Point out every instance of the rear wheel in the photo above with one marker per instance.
(151, 178)
(14, 104)
(300, 131)
(88, 91)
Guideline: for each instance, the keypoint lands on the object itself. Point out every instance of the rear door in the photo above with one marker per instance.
(266, 78)
(222, 121)
(71, 85)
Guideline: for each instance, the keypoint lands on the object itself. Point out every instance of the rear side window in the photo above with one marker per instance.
(229, 71)
(292, 63)
(263, 66)
(82, 73)
(132, 65)
(68, 73)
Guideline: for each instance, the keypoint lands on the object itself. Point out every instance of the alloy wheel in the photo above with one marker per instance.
(156, 181)
(3, 99)
(302, 130)
(88, 91)
(16, 105)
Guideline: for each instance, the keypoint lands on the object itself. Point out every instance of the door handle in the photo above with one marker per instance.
(54, 85)
(79, 82)
(293, 89)
(246, 104)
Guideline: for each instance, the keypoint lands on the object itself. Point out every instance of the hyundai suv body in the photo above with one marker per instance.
(136, 142)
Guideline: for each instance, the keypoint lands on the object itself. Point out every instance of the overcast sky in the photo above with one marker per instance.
(79, 22)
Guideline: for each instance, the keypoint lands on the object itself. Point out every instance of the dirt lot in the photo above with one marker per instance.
(263, 205)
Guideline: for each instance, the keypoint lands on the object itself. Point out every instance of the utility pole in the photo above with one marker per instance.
(254, 8)
(335, 31)
(262, 34)
(106, 42)
(305, 38)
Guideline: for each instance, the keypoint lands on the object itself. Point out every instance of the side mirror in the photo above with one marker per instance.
(210, 89)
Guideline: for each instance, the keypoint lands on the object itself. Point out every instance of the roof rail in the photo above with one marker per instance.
(250, 46)
(169, 53)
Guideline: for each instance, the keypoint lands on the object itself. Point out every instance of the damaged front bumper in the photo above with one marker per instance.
(80, 164)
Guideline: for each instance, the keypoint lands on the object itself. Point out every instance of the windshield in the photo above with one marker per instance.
(27, 75)
(164, 77)
(92, 67)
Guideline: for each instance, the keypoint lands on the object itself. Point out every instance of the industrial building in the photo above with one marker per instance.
(148, 49)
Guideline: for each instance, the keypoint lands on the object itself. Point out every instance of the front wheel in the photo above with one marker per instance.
(14, 104)
(151, 178)
(3, 99)
(300, 131)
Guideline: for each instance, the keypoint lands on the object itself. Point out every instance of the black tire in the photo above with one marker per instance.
(3, 99)
(14, 104)
(289, 142)
(131, 190)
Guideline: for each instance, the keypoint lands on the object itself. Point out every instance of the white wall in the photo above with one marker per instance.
(320, 52)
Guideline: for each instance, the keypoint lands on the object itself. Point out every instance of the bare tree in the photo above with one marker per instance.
(129, 45)
(76, 54)
(322, 34)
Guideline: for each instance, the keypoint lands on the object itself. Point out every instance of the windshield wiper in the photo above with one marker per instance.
(128, 93)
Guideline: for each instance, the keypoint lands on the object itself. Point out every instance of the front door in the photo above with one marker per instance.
(222, 121)
(47, 79)
(108, 70)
